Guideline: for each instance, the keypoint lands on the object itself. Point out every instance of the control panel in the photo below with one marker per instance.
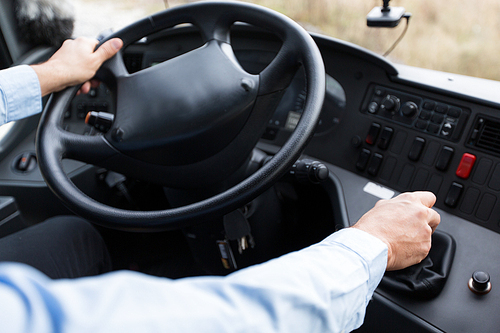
(426, 115)
(466, 182)
(408, 141)
(99, 100)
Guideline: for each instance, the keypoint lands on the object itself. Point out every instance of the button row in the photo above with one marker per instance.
(471, 200)
(385, 137)
(372, 165)
(445, 156)
(482, 173)
(438, 119)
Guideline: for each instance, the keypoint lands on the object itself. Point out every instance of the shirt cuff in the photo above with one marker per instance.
(371, 249)
(22, 95)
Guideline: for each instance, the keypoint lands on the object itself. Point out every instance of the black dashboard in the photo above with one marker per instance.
(384, 129)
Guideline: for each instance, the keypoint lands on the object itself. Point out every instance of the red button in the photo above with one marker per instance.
(465, 166)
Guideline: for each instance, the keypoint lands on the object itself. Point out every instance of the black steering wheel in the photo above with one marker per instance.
(190, 121)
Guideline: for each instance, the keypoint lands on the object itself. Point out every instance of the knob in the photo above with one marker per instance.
(480, 283)
(100, 120)
(309, 171)
(391, 103)
(373, 107)
(25, 162)
(409, 109)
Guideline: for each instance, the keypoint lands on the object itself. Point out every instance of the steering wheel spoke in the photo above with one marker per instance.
(280, 72)
(112, 69)
(53, 140)
(89, 149)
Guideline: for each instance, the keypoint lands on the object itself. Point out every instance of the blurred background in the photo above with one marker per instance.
(456, 36)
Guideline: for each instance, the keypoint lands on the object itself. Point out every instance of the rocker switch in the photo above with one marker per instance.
(363, 158)
(444, 158)
(453, 194)
(373, 134)
(416, 148)
(385, 138)
(375, 163)
(465, 166)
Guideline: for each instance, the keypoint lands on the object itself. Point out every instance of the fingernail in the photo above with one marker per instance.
(117, 43)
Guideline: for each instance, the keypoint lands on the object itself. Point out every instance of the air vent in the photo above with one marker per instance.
(486, 135)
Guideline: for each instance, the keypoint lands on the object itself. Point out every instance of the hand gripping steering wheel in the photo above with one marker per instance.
(189, 121)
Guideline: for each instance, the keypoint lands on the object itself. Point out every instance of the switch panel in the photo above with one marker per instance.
(421, 113)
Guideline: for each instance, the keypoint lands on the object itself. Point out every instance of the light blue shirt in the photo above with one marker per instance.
(20, 93)
(323, 288)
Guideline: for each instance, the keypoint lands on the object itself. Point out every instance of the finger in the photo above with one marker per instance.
(94, 83)
(84, 89)
(428, 199)
(108, 49)
(433, 219)
(84, 42)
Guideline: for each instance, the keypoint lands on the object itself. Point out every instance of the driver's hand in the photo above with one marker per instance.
(405, 223)
(87, 85)
(74, 63)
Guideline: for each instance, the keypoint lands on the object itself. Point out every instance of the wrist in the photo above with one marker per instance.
(380, 237)
(50, 76)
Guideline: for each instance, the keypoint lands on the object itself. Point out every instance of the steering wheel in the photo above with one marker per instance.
(190, 121)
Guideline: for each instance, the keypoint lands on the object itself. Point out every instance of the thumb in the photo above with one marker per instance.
(108, 49)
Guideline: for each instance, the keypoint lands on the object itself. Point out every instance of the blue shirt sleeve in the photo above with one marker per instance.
(323, 288)
(20, 93)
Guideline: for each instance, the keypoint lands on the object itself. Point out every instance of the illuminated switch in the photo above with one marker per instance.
(373, 134)
(465, 166)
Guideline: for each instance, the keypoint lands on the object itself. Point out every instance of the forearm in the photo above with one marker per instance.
(20, 94)
(324, 288)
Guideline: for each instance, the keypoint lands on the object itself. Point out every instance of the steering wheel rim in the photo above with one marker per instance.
(214, 20)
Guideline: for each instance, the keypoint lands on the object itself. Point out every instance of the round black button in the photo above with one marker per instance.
(480, 282)
(480, 279)
(389, 104)
(356, 141)
(319, 172)
(409, 109)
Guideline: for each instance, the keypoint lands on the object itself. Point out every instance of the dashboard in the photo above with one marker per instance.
(384, 129)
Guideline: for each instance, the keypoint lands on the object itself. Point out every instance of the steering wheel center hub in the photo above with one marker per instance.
(202, 101)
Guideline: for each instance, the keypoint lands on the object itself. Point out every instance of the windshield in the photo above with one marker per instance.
(454, 36)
